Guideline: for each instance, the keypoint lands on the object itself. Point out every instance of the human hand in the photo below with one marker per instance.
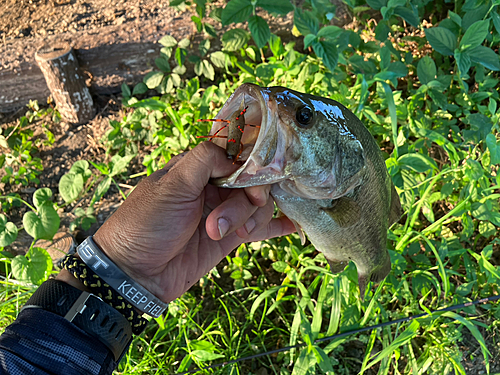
(175, 227)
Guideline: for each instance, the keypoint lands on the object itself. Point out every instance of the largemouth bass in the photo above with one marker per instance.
(326, 171)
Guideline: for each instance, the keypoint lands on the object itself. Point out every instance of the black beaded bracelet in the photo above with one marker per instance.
(99, 287)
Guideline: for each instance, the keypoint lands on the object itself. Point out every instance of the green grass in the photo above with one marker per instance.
(435, 115)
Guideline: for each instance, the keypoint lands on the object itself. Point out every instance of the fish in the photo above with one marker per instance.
(326, 172)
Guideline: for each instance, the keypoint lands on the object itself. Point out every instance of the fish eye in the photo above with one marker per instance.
(304, 116)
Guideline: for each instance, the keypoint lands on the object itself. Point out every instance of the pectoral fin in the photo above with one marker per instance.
(336, 266)
(395, 211)
(377, 275)
(297, 226)
(344, 211)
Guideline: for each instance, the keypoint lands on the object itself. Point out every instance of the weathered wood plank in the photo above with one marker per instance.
(109, 57)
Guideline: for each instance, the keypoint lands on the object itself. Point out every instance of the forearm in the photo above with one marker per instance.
(43, 342)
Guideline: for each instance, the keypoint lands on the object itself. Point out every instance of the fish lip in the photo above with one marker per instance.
(253, 172)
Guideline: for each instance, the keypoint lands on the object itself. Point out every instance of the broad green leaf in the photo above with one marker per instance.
(236, 11)
(309, 39)
(151, 104)
(389, 95)
(438, 97)
(218, 58)
(442, 40)
(475, 35)
(8, 231)
(204, 46)
(42, 197)
(101, 189)
(202, 345)
(275, 45)
(494, 148)
(234, 39)
(306, 329)
(382, 31)
(396, 3)
(305, 22)
(496, 21)
(455, 18)
(125, 92)
(203, 355)
(330, 32)
(162, 64)
(260, 30)
(328, 53)
(303, 364)
(153, 79)
(176, 119)
(485, 56)
(376, 4)
(276, 6)
(168, 41)
(408, 15)
(43, 224)
(32, 268)
(184, 43)
(492, 106)
(120, 163)
(280, 266)
(480, 127)
(398, 68)
(474, 170)
(70, 186)
(176, 79)
(139, 89)
(180, 55)
(208, 70)
(426, 70)
(81, 167)
(166, 52)
(322, 359)
(476, 14)
(463, 62)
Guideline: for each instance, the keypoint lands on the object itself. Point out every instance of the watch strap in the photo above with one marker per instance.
(86, 311)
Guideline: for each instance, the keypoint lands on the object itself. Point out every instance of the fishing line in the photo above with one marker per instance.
(344, 334)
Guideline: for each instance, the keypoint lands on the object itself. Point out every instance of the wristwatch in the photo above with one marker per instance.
(87, 311)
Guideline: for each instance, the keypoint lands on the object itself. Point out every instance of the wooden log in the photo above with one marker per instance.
(66, 83)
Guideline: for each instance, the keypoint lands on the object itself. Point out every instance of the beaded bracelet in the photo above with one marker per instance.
(99, 287)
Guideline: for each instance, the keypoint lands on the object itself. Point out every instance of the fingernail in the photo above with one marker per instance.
(223, 226)
(249, 225)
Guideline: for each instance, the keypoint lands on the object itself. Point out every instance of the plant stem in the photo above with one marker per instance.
(119, 189)
(19, 199)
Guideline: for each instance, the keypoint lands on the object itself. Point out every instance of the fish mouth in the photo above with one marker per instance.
(263, 144)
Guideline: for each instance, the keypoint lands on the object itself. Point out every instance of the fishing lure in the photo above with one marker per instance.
(235, 128)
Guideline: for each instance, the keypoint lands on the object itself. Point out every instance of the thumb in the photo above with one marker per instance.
(192, 172)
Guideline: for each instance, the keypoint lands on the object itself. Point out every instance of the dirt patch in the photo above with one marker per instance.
(72, 143)
(41, 18)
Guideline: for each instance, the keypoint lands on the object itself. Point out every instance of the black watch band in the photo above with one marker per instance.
(86, 311)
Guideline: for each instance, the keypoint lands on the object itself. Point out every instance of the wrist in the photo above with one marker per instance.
(68, 278)
(119, 249)
(95, 265)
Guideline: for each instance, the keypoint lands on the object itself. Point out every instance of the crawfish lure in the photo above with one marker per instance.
(235, 128)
